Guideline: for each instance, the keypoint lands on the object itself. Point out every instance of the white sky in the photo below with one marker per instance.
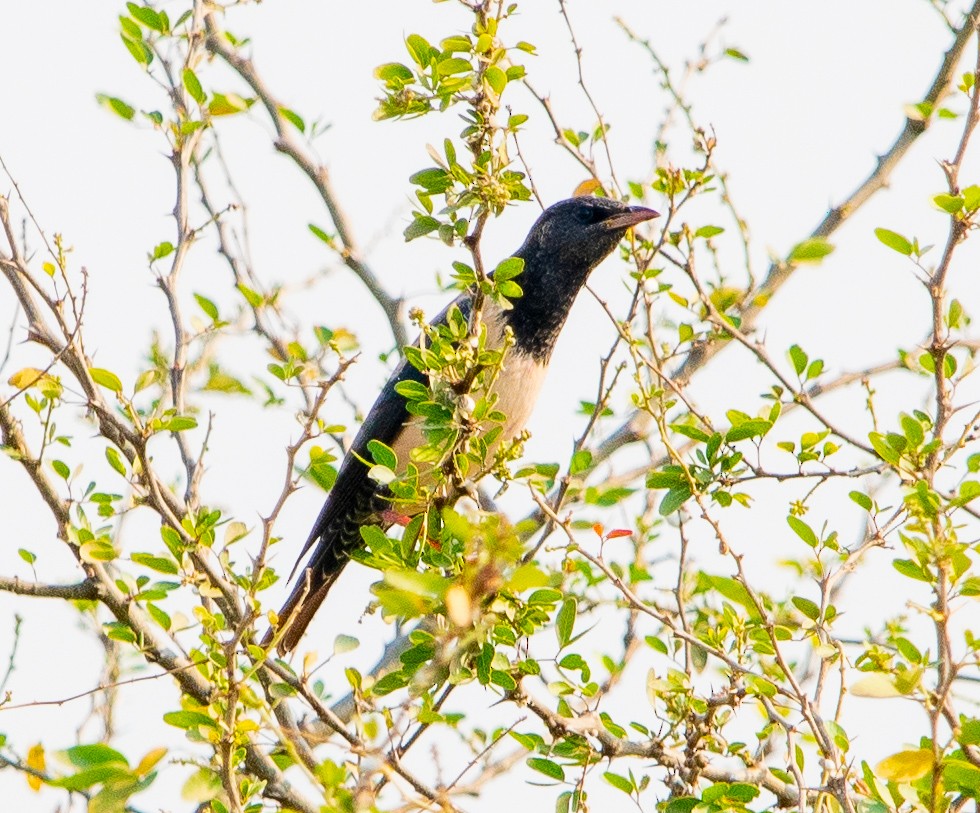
(798, 128)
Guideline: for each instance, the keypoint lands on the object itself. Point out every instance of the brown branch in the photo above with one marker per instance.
(84, 590)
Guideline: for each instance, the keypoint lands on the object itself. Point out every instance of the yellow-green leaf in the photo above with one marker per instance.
(105, 378)
(906, 766)
(876, 685)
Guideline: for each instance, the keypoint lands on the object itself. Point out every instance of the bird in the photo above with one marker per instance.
(567, 241)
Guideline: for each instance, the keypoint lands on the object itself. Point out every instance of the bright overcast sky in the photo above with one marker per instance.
(798, 128)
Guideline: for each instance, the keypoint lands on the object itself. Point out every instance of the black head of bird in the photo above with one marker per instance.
(566, 242)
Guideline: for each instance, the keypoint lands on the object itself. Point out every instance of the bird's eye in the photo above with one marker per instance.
(586, 215)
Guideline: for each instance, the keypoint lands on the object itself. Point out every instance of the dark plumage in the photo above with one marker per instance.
(564, 245)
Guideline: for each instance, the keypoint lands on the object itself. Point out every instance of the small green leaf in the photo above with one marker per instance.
(157, 563)
(618, 782)
(161, 250)
(674, 499)
(910, 569)
(565, 621)
(421, 225)
(188, 719)
(883, 449)
(951, 204)
(812, 250)
(382, 454)
(807, 607)
(550, 769)
(581, 461)
(293, 118)
(802, 530)
(799, 358)
(117, 106)
(496, 78)
(105, 378)
(207, 306)
(861, 499)
(193, 85)
(895, 241)
(453, 65)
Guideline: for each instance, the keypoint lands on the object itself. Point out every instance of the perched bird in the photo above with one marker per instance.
(567, 241)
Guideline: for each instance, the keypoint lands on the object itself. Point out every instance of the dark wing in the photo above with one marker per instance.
(351, 503)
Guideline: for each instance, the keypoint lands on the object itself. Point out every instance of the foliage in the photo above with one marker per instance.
(741, 704)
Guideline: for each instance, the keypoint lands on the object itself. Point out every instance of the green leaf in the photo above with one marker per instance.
(157, 563)
(193, 85)
(911, 570)
(734, 591)
(861, 499)
(895, 241)
(382, 455)
(508, 269)
(496, 78)
(565, 621)
(550, 769)
(812, 250)
(949, 203)
(147, 16)
(674, 499)
(117, 106)
(138, 50)
(453, 65)
(802, 530)
(581, 461)
(619, 782)
(161, 250)
(545, 595)
(207, 306)
(798, 358)
(807, 607)
(252, 297)
(669, 477)
(412, 390)
(754, 428)
(883, 449)
(421, 225)
(293, 118)
(394, 74)
(708, 231)
(188, 719)
(179, 423)
(90, 756)
(105, 378)
(419, 49)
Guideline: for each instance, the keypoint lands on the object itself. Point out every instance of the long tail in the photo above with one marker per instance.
(298, 611)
